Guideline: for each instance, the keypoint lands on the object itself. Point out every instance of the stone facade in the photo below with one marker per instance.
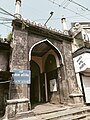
(26, 39)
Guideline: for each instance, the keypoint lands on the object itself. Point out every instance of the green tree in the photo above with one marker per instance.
(9, 37)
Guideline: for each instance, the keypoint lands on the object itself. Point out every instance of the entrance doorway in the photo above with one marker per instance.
(35, 83)
(51, 75)
(44, 61)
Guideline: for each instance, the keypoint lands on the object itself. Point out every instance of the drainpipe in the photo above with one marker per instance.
(64, 26)
(17, 10)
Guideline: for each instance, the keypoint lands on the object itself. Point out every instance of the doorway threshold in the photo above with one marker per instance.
(46, 108)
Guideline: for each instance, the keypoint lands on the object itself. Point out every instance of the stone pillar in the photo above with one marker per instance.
(59, 81)
(19, 61)
(70, 77)
(63, 85)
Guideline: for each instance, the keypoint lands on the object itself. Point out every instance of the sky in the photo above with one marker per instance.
(39, 11)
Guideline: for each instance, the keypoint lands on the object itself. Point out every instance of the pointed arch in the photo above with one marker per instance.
(46, 40)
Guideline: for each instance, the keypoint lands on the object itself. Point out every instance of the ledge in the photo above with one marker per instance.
(15, 101)
(41, 30)
(75, 95)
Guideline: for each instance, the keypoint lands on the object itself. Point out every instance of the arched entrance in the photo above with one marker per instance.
(44, 58)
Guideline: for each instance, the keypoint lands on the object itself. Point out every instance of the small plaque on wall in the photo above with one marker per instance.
(53, 85)
(22, 76)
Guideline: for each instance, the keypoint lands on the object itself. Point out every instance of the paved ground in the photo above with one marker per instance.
(48, 108)
(32, 118)
(48, 111)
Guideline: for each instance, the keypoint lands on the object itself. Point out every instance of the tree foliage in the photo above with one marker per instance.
(9, 38)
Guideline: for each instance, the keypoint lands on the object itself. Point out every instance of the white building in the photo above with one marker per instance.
(81, 57)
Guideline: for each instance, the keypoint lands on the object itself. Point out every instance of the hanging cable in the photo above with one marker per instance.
(58, 18)
(76, 13)
(5, 22)
(68, 9)
(79, 5)
(7, 12)
(23, 21)
(5, 19)
(3, 13)
(67, 4)
(63, 2)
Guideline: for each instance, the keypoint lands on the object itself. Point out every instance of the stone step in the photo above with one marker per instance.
(75, 113)
(69, 114)
(23, 115)
(76, 117)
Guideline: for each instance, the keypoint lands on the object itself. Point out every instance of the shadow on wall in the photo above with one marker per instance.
(13, 95)
(7, 91)
(4, 95)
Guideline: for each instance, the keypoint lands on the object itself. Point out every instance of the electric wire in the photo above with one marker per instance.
(69, 17)
(59, 5)
(6, 26)
(5, 19)
(79, 5)
(23, 21)
(77, 13)
(7, 12)
(5, 22)
(3, 13)
(67, 4)
(63, 2)
(69, 9)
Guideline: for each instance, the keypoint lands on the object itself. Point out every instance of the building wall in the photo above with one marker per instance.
(22, 42)
(70, 78)
(19, 61)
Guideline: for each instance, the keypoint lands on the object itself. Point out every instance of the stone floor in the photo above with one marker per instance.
(48, 108)
(49, 111)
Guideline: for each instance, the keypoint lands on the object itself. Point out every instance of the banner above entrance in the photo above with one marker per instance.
(22, 76)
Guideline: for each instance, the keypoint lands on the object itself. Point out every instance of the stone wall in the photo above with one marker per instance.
(19, 61)
(23, 41)
(70, 78)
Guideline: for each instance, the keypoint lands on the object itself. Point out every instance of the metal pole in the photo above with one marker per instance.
(49, 17)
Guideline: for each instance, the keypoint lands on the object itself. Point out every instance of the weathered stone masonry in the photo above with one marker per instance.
(23, 40)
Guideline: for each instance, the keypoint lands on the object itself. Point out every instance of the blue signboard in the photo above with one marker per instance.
(22, 76)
